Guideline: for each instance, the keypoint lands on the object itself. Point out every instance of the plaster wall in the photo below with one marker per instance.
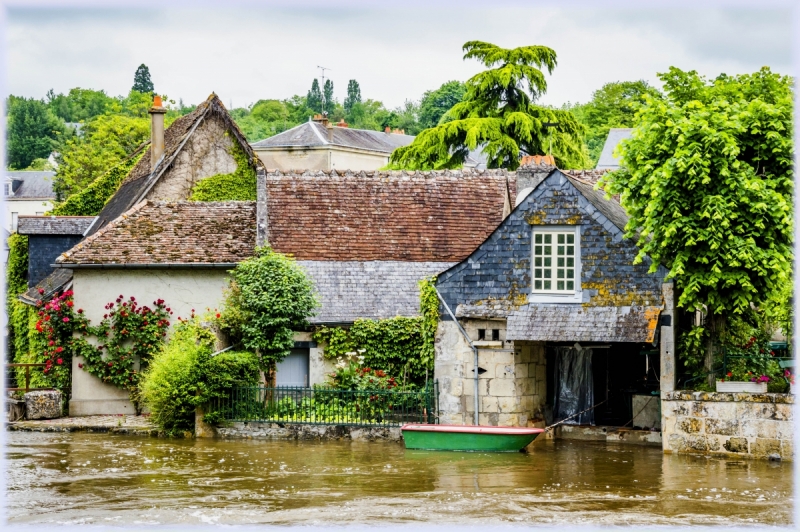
(23, 207)
(206, 153)
(182, 290)
(728, 424)
(511, 390)
(324, 158)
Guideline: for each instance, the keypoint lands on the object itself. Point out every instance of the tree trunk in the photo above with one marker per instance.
(714, 322)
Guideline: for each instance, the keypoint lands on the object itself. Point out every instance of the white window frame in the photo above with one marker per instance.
(553, 295)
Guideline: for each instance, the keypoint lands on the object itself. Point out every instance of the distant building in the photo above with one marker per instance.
(321, 145)
(607, 160)
(26, 193)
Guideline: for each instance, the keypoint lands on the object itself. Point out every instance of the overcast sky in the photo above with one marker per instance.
(249, 53)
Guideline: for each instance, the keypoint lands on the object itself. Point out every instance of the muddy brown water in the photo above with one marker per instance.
(101, 479)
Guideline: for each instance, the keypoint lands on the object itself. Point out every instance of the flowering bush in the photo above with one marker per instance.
(128, 336)
(757, 364)
(350, 374)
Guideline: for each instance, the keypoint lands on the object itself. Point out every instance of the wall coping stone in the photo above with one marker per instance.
(722, 397)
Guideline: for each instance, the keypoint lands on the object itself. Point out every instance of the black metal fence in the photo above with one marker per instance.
(328, 406)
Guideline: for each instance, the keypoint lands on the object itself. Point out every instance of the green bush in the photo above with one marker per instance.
(184, 375)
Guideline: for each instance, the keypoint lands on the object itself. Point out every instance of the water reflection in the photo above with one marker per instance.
(92, 478)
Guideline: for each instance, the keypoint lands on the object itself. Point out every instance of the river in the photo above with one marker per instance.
(73, 478)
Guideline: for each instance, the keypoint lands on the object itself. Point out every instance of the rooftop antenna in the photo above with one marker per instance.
(323, 85)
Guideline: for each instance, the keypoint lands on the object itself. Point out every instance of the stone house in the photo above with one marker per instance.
(26, 193)
(558, 313)
(364, 238)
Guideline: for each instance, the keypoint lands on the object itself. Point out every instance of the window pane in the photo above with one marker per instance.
(548, 250)
(570, 285)
(537, 250)
(560, 273)
(548, 261)
(538, 273)
(570, 274)
(538, 239)
(570, 250)
(538, 261)
(570, 262)
(547, 285)
(560, 262)
(538, 285)
(548, 239)
(570, 239)
(561, 239)
(560, 250)
(548, 274)
(560, 285)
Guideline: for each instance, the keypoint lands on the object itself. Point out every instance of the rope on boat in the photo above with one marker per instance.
(550, 428)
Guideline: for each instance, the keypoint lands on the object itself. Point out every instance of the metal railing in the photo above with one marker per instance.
(27, 387)
(328, 406)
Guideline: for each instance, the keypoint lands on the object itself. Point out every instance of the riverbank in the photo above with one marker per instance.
(120, 424)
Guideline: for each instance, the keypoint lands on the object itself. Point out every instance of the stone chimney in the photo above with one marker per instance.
(329, 127)
(157, 113)
(533, 170)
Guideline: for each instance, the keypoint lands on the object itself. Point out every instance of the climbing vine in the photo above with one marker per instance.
(20, 315)
(237, 186)
(90, 201)
(400, 346)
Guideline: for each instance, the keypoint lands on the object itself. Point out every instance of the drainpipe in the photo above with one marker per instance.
(474, 351)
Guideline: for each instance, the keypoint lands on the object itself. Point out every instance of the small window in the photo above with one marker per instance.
(7, 189)
(555, 261)
(481, 334)
(495, 335)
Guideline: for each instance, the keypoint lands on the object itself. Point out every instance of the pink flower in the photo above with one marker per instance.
(66, 320)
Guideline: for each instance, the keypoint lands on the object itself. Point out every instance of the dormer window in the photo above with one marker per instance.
(8, 189)
(555, 260)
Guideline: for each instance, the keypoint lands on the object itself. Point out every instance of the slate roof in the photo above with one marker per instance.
(59, 280)
(139, 180)
(391, 216)
(577, 323)
(349, 290)
(53, 225)
(171, 233)
(607, 159)
(35, 185)
(610, 208)
(310, 134)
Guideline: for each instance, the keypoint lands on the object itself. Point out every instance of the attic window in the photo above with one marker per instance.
(556, 259)
(7, 190)
(481, 334)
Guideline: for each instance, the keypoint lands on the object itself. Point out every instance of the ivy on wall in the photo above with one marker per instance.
(90, 201)
(237, 186)
(400, 346)
(19, 314)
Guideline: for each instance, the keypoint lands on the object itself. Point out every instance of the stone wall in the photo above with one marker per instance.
(512, 389)
(728, 424)
(273, 431)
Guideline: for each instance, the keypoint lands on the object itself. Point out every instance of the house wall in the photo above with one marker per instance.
(206, 153)
(318, 367)
(26, 207)
(43, 250)
(512, 390)
(728, 424)
(325, 158)
(182, 290)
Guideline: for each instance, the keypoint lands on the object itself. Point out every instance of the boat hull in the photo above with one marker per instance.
(468, 438)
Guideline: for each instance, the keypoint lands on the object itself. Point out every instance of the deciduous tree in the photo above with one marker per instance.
(33, 131)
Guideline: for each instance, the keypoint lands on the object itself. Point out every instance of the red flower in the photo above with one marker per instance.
(50, 342)
(730, 374)
(59, 361)
(47, 318)
(59, 349)
(66, 320)
(110, 364)
(218, 315)
(41, 291)
(80, 311)
(70, 304)
(80, 366)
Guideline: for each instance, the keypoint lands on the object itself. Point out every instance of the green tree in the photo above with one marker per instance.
(79, 104)
(498, 114)
(613, 105)
(270, 297)
(707, 183)
(32, 131)
(314, 97)
(436, 103)
(353, 97)
(328, 93)
(141, 80)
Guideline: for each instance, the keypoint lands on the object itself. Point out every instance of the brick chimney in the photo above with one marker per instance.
(532, 171)
(342, 123)
(387, 129)
(157, 113)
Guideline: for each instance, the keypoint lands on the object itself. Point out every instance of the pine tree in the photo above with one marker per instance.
(314, 97)
(353, 95)
(498, 114)
(141, 80)
(328, 92)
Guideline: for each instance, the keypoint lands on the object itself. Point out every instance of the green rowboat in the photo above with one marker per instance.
(468, 437)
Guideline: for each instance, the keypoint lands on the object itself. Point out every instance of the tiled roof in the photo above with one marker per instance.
(350, 290)
(589, 176)
(59, 280)
(610, 208)
(182, 232)
(311, 134)
(53, 225)
(139, 180)
(389, 216)
(577, 323)
(35, 185)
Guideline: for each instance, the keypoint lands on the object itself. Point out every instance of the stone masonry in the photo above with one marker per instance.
(728, 424)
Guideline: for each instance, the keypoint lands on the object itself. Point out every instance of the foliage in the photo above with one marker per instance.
(327, 93)
(129, 335)
(240, 185)
(314, 97)
(352, 374)
(18, 313)
(613, 105)
(498, 115)
(79, 105)
(32, 131)
(183, 375)
(90, 200)
(353, 96)
(436, 103)
(707, 183)
(429, 310)
(270, 297)
(141, 80)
